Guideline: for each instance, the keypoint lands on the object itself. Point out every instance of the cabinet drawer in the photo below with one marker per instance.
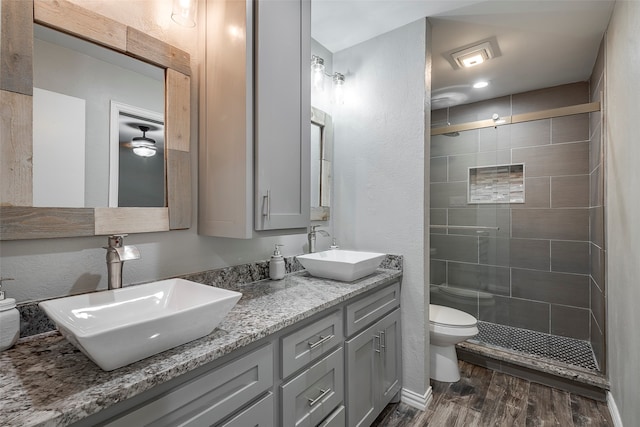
(369, 309)
(209, 398)
(308, 398)
(260, 414)
(307, 344)
(336, 419)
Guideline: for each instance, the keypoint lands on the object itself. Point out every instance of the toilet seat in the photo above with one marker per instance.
(450, 317)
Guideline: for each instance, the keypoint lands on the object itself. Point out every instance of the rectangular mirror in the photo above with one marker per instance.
(321, 149)
(20, 217)
(89, 103)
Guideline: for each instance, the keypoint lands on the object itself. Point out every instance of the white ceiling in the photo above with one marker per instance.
(543, 42)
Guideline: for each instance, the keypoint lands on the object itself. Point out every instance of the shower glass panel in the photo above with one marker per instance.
(470, 222)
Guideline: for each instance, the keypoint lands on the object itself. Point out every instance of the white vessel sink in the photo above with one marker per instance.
(341, 265)
(121, 326)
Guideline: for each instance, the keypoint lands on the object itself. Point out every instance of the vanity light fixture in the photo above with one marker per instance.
(184, 12)
(338, 90)
(317, 77)
(143, 146)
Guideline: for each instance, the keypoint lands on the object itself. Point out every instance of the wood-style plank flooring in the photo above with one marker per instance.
(488, 398)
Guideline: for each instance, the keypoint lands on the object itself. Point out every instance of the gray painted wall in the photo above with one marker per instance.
(623, 207)
(379, 171)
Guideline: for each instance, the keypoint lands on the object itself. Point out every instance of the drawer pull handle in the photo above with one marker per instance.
(321, 341)
(323, 393)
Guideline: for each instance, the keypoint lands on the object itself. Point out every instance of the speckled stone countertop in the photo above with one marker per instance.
(45, 381)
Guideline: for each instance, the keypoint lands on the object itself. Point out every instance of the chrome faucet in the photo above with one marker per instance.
(117, 254)
(312, 237)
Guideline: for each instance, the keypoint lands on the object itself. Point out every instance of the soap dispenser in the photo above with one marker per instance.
(9, 321)
(276, 265)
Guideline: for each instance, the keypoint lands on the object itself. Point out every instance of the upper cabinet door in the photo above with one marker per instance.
(282, 114)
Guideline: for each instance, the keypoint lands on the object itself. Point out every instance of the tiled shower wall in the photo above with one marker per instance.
(596, 210)
(534, 272)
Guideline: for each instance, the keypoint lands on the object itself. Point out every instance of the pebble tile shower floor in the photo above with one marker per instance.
(566, 350)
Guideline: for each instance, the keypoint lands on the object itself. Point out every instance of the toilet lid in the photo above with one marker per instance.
(448, 316)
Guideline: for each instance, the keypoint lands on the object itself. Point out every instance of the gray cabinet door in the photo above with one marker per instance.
(310, 397)
(373, 369)
(282, 114)
(208, 398)
(260, 414)
(390, 366)
(361, 371)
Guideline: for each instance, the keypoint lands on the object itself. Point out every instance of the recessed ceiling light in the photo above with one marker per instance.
(480, 85)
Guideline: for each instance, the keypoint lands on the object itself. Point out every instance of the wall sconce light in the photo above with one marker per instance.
(338, 88)
(317, 77)
(184, 12)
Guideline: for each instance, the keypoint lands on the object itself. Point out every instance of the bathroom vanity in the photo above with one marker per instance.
(300, 351)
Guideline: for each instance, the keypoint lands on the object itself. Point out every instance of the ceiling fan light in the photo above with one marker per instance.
(144, 151)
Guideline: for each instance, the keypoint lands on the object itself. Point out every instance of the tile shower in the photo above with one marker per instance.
(532, 272)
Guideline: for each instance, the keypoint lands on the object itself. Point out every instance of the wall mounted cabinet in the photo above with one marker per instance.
(254, 115)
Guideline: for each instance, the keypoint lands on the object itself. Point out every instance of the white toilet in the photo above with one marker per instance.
(448, 327)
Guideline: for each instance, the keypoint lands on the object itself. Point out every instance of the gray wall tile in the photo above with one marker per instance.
(465, 300)
(596, 215)
(455, 248)
(518, 313)
(438, 169)
(439, 117)
(438, 217)
(529, 134)
(598, 345)
(554, 160)
(597, 266)
(536, 193)
(481, 217)
(560, 224)
(449, 195)
(553, 97)
(529, 253)
(484, 278)
(570, 191)
(598, 304)
(443, 145)
(459, 165)
(438, 272)
(570, 257)
(595, 142)
(570, 322)
(570, 128)
(596, 188)
(494, 251)
(495, 138)
(482, 110)
(555, 288)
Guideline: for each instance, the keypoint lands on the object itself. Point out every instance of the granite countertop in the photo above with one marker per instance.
(45, 381)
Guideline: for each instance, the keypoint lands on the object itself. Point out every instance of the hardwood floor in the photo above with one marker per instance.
(487, 398)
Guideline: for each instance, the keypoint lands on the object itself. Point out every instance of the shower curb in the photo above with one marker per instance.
(536, 369)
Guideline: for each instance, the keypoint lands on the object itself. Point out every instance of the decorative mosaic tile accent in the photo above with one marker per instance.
(562, 349)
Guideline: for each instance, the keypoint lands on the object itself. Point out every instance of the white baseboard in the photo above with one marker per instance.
(613, 410)
(416, 400)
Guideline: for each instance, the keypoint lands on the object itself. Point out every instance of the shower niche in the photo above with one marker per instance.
(496, 184)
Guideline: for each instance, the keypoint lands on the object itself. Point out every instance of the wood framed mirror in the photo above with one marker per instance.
(19, 219)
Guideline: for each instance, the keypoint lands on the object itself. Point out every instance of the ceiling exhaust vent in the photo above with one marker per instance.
(473, 54)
